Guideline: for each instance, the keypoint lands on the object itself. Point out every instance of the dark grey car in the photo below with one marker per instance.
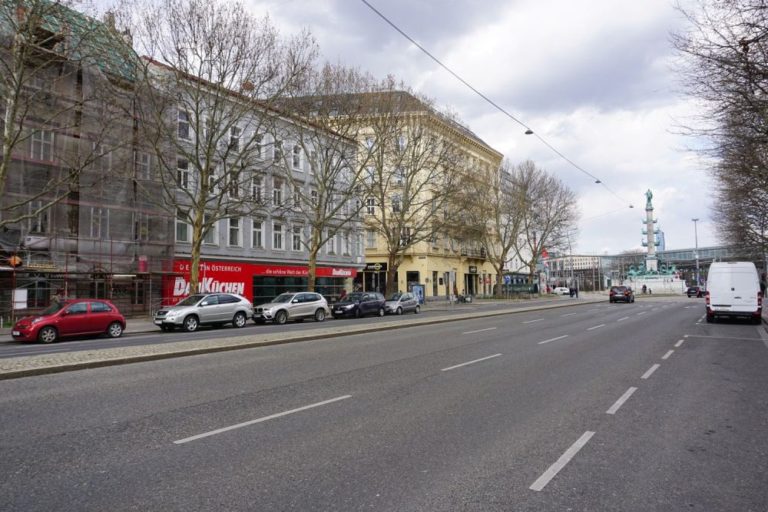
(399, 303)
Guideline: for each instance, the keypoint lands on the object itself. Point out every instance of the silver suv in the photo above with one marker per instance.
(292, 306)
(199, 309)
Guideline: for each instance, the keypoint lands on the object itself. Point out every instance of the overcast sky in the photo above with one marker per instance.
(595, 78)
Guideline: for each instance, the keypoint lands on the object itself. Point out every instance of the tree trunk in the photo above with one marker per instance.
(392, 266)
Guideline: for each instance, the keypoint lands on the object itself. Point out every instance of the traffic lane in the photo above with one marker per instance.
(692, 437)
(391, 388)
(12, 348)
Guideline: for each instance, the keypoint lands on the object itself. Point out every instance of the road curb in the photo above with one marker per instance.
(27, 366)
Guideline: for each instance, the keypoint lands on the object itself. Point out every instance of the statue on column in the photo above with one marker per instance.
(648, 196)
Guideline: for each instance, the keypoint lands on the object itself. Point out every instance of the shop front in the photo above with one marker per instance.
(257, 282)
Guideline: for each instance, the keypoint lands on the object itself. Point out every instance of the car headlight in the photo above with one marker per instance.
(349, 306)
(171, 315)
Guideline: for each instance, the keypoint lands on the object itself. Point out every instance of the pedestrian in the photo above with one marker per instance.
(650, 292)
(577, 291)
(57, 297)
(343, 294)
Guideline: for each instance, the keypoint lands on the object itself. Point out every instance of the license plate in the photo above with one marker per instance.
(158, 322)
(15, 333)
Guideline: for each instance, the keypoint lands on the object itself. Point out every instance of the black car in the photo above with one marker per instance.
(359, 304)
(621, 294)
(695, 291)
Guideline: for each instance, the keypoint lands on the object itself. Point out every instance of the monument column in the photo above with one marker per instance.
(651, 262)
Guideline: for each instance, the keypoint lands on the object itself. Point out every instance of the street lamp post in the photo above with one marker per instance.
(696, 250)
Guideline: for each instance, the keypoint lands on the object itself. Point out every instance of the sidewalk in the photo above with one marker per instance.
(57, 362)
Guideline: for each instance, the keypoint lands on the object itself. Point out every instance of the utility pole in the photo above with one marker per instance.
(696, 251)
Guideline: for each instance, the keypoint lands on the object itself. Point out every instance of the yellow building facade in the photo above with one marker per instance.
(443, 265)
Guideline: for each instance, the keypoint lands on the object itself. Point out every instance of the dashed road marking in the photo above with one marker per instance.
(470, 362)
(533, 321)
(480, 330)
(555, 468)
(650, 371)
(620, 401)
(679, 342)
(553, 339)
(259, 420)
(622, 319)
(669, 353)
(596, 327)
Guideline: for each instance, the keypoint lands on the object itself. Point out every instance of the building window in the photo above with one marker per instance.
(296, 238)
(370, 206)
(142, 165)
(396, 203)
(256, 189)
(312, 161)
(234, 138)
(345, 243)
(99, 222)
(42, 145)
(370, 174)
(235, 239)
(182, 173)
(277, 237)
(211, 236)
(258, 140)
(140, 226)
(38, 223)
(233, 184)
(399, 176)
(296, 157)
(102, 158)
(183, 124)
(277, 192)
(183, 231)
(313, 196)
(257, 234)
(400, 143)
(277, 153)
(330, 249)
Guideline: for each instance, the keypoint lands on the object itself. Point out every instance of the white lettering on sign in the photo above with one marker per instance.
(208, 285)
(342, 272)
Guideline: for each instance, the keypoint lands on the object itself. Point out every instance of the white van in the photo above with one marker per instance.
(733, 289)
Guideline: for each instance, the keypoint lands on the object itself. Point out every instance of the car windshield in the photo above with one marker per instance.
(355, 296)
(283, 297)
(395, 296)
(619, 288)
(191, 300)
(52, 308)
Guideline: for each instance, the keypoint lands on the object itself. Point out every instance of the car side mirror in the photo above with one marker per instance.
(204, 303)
(295, 301)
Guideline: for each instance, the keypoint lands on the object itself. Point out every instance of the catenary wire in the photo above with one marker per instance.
(498, 107)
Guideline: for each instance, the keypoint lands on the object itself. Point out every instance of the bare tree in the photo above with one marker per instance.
(66, 83)
(329, 200)
(495, 221)
(725, 64)
(411, 174)
(208, 107)
(549, 213)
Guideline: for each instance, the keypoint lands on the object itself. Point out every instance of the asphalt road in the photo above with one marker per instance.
(613, 407)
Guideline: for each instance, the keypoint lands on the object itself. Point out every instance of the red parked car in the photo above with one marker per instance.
(74, 317)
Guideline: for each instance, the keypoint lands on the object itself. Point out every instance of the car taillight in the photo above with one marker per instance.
(707, 297)
(759, 299)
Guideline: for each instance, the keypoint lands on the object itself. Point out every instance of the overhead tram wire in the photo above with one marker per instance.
(528, 129)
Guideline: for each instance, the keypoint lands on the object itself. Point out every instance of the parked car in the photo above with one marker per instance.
(359, 304)
(399, 303)
(733, 290)
(621, 294)
(561, 290)
(74, 317)
(292, 306)
(695, 291)
(199, 309)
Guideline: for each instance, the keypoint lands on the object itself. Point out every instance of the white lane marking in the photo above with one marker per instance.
(650, 371)
(686, 335)
(622, 319)
(480, 330)
(568, 314)
(553, 339)
(555, 468)
(532, 321)
(641, 313)
(620, 401)
(596, 327)
(259, 420)
(470, 362)
(666, 356)
(679, 342)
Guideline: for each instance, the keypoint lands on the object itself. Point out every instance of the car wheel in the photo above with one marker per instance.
(319, 315)
(381, 311)
(115, 330)
(281, 317)
(191, 323)
(239, 320)
(416, 311)
(399, 311)
(47, 335)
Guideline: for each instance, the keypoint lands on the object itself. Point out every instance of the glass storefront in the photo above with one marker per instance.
(266, 288)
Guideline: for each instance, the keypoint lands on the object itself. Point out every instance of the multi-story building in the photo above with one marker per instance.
(443, 264)
(72, 218)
